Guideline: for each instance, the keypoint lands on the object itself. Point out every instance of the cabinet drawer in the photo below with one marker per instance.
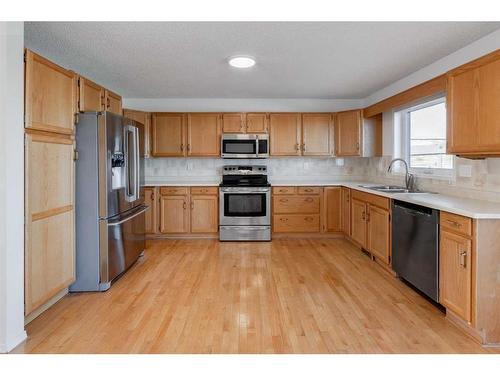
(373, 199)
(309, 190)
(296, 204)
(204, 190)
(287, 190)
(295, 223)
(174, 190)
(456, 223)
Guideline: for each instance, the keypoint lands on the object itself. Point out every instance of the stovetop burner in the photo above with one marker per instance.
(245, 176)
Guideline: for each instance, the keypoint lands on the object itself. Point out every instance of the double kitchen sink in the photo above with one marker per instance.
(392, 189)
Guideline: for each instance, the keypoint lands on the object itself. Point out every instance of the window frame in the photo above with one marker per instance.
(406, 140)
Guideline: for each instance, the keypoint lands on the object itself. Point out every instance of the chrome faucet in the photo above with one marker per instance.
(409, 178)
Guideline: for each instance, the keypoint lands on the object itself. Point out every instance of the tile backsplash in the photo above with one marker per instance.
(483, 183)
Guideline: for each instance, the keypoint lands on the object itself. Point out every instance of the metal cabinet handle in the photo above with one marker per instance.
(283, 219)
(182, 146)
(152, 196)
(108, 103)
(308, 190)
(283, 190)
(308, 199)
(357, 146)
(304, 147)
(363, 215)
(189, 147)
(283, 200)
(309, 218)
(463, 259)
(184, 205)
(297, 147)
(192, 205)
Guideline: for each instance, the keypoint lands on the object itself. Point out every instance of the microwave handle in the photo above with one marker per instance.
(257, 146)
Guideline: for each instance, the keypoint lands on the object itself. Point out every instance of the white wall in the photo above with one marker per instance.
(480, 47)
(243, 105)
(11, 185)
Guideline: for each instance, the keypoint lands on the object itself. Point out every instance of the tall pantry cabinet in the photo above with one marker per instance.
(50, 107)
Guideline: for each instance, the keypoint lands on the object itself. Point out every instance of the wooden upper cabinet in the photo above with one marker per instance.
(473, 107)
(285, 137)
(168, 134)
(233, 123)
(358, 222)
(50, 95)
(346, 211)
(257, 123)
(113, 102)
(332, 209)
(348, 134)
(455, 274)
(90, 95)
(316, 128)
(203, 134)
(379, 242)
(144, 121)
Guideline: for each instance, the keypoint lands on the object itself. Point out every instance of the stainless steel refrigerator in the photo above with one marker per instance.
(110, 209)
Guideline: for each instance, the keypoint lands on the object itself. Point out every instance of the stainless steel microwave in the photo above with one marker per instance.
(245, 146)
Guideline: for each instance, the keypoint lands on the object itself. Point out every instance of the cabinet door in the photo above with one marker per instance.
(151, 214)
(473, 108)
(204, 214)
(285, 134)
(316, 134)
(168, 134)
(358, 222)
(455, 274)
(346, 211)
(256, 123)
(203, 132)
(113, 102)
(50, 218)
(144, 121)
(90, 95)
(332, 209)
(233, 123)
(348, 133)
(379, 243)
(174, 214)
(50, 95)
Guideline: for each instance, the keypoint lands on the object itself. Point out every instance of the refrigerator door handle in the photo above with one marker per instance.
(131, 163)
(119, 222)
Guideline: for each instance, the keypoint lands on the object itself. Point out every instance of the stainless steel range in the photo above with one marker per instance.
(245, 204)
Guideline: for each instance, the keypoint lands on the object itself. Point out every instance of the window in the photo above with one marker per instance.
(423, 134)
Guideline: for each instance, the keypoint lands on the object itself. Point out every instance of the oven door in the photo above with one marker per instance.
(239, 146)
(245, 206)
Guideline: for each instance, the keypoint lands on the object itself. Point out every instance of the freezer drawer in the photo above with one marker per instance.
(123, 241)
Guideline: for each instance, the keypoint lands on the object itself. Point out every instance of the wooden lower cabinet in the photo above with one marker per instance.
(346, 211)
(296, 209)
(50, 217)
(379, 233)
(455, 272)
(358, 222)
(204, 214)
(182, 210)
(150, 199)
(332, 198)
(174, 214)
(371, 224)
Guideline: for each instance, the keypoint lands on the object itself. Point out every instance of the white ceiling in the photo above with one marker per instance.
(294, 59)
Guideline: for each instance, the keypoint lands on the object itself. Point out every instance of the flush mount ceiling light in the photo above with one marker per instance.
(241, 61)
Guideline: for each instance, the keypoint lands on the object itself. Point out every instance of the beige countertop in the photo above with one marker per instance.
(474, 208)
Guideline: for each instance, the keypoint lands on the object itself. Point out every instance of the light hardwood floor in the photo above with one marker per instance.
(288, 296)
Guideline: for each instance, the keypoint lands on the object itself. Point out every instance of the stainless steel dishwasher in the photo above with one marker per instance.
(415, 246)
